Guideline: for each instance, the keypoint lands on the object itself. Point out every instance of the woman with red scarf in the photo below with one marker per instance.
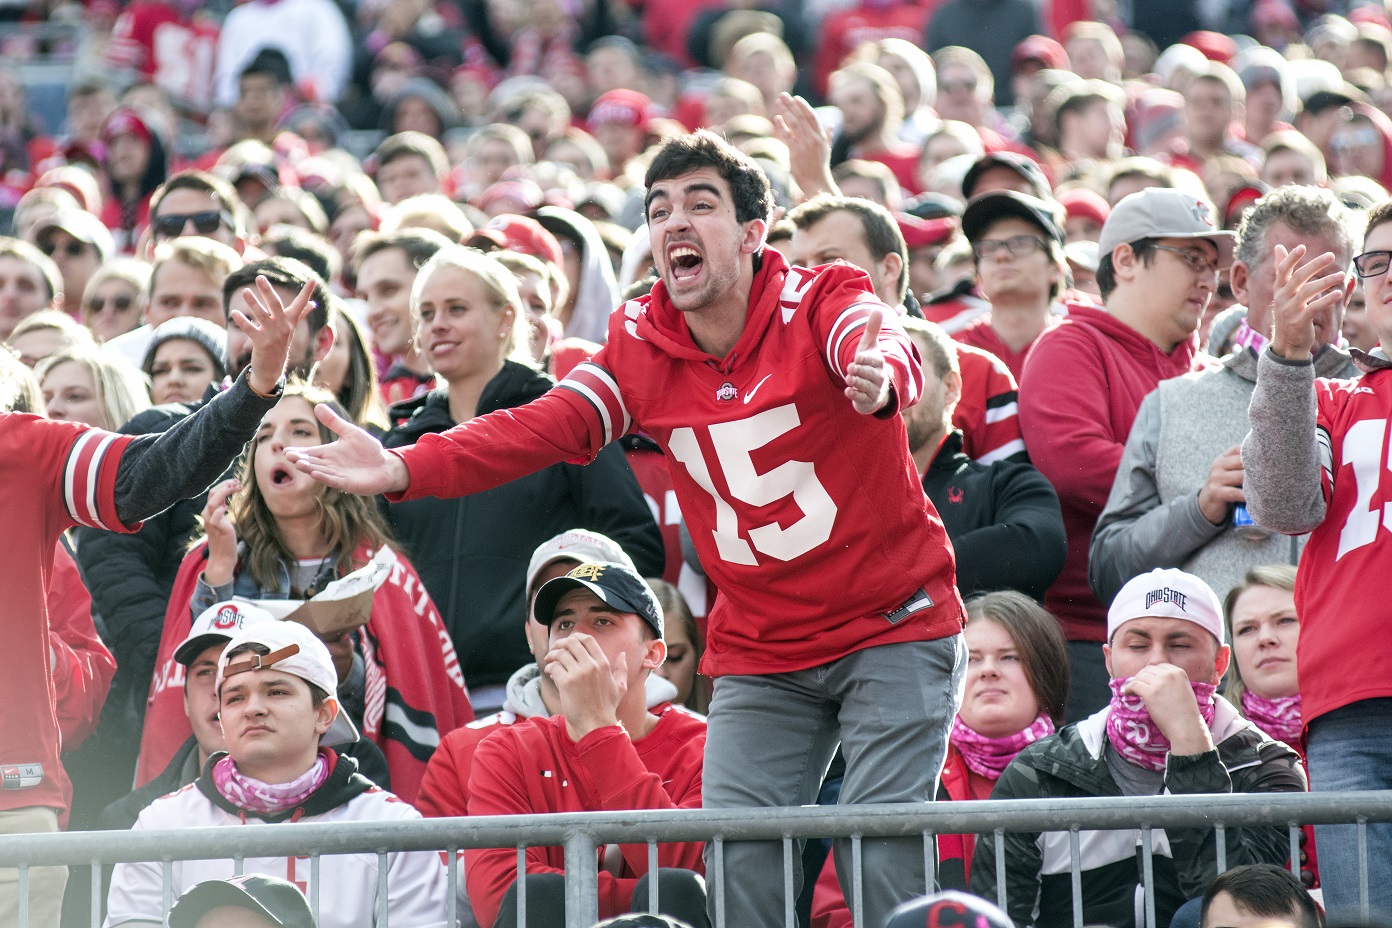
(1016, 691)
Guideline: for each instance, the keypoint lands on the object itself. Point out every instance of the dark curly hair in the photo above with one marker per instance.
(749, 186)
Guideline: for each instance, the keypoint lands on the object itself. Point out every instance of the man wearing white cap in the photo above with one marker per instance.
(1159, 257)
(195, 664)
(280, 718)
(1165, 730)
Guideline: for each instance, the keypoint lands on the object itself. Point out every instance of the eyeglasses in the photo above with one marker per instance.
(172, 225)
(1197, 261)
(1372, 263)
(119, 303)
(72, 249)
(1017, 245)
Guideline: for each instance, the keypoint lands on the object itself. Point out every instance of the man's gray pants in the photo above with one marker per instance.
(771, 737)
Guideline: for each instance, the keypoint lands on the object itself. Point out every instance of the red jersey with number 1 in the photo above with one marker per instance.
(1343, 624)
(808, 516)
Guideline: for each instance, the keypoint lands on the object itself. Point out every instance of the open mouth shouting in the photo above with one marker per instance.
(684, 263)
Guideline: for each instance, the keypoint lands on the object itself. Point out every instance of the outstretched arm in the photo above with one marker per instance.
(355, 462)
(157, 471)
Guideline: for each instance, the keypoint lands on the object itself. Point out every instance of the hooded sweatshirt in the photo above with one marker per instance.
(597, 293)
(819, 537)
(473, 552)
(1082, 385)
(444, 791)
(416, 880)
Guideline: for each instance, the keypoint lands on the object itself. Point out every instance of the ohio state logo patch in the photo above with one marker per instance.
(726, 392)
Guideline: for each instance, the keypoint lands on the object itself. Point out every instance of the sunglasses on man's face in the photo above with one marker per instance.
(172, 225)
(72, 249)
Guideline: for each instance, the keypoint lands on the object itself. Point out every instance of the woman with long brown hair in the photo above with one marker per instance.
(275, 533)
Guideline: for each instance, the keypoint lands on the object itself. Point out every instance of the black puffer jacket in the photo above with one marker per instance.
(473, 552)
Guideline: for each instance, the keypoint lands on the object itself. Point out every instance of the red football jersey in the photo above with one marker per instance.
(808, 516)
(1342, 617)
(53, 475)
(988, 412)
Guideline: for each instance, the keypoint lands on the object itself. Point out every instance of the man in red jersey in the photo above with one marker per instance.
(1314, 462)
(776, 392)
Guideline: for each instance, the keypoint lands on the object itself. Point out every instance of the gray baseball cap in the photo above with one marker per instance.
(1161, 212)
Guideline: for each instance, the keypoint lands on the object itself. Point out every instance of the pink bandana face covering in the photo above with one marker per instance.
(1279, 717)
(261, 798)
(988, 757)
(1134, 734)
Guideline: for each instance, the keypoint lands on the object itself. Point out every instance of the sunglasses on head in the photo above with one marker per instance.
(72, 249)
(172, 225)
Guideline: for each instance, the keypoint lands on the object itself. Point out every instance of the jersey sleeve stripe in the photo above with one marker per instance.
(593, 399)
(599, 387)
(850, 320)
(1001, 413)
(1004, 398)
(1326, 452)
(82, 477)
(1003, 452)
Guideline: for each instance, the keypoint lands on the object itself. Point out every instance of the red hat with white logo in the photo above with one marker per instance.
(220, 622)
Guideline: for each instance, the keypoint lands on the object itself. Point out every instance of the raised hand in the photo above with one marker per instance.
(1304, 295)
(867, 381)
(355, 462)
(809, 145)
(270, 325)
(222, 534)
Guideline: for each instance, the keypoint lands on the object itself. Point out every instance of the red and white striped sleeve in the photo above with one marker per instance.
(600, 390)
(900, 356)
(89, 479)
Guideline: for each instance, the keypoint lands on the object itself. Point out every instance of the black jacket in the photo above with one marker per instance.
(1072, 763)
(1003, 519)
(472, 552)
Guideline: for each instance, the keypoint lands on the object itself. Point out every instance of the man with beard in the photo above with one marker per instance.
(775, 392)
(872, 110)
(1003, 518)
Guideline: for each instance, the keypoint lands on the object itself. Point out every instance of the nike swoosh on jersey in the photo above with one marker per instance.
(750, 395)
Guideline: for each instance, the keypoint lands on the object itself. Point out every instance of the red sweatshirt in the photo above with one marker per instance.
(1083, 382)
(534, 767)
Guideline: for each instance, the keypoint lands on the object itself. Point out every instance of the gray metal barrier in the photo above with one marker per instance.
(582, 834)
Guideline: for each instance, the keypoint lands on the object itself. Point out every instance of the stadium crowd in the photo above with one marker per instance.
(433, 408)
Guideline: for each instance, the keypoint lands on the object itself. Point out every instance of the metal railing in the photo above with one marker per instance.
(582, 834)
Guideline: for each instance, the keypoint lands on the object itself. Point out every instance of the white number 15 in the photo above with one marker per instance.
(734, 443)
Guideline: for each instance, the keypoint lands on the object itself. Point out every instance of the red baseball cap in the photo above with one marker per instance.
(125, 121)
(1081, 202)
(623, 105)
(522, 234)
(1214, 45)
(1042, 49)
(921, 233)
